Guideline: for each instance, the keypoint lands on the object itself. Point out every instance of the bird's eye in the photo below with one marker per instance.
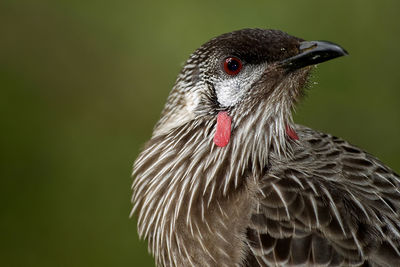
(232, 65)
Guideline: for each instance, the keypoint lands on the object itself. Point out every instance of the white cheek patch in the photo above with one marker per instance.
(231, 90)
(228, 92)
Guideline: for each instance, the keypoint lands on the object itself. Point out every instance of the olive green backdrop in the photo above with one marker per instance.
(83, 82)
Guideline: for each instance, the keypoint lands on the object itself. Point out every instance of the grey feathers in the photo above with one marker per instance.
(270, 197)
(330, 205)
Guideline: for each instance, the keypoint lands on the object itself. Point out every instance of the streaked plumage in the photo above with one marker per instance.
(265, 199)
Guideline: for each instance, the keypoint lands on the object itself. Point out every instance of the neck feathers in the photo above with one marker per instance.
(181, 174)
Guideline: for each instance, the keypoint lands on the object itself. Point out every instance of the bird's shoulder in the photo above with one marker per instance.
(328, 204)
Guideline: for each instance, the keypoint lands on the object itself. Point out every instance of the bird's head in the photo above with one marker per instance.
(250, 72)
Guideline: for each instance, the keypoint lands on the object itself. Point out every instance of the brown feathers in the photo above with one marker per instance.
(276, 194)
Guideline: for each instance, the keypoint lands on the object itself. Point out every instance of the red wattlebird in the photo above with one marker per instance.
(227, 178)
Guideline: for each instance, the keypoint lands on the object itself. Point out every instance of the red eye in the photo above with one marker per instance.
(232, 65)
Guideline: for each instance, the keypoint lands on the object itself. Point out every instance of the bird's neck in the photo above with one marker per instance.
(182, 177)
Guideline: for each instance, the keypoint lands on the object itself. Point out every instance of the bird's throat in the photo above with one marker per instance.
(223, 131)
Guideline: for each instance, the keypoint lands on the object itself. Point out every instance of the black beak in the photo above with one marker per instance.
(313, 52)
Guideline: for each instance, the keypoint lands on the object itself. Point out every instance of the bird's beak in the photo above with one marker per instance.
(311, 53)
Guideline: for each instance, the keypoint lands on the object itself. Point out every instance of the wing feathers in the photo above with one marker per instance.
(330, 204)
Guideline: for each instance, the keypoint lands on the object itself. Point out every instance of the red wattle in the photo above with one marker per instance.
(223, 131)
(291, 133)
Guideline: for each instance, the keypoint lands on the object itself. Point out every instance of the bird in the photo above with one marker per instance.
(229, 179)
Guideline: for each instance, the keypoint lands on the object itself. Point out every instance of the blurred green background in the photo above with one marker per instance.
(83, 82)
